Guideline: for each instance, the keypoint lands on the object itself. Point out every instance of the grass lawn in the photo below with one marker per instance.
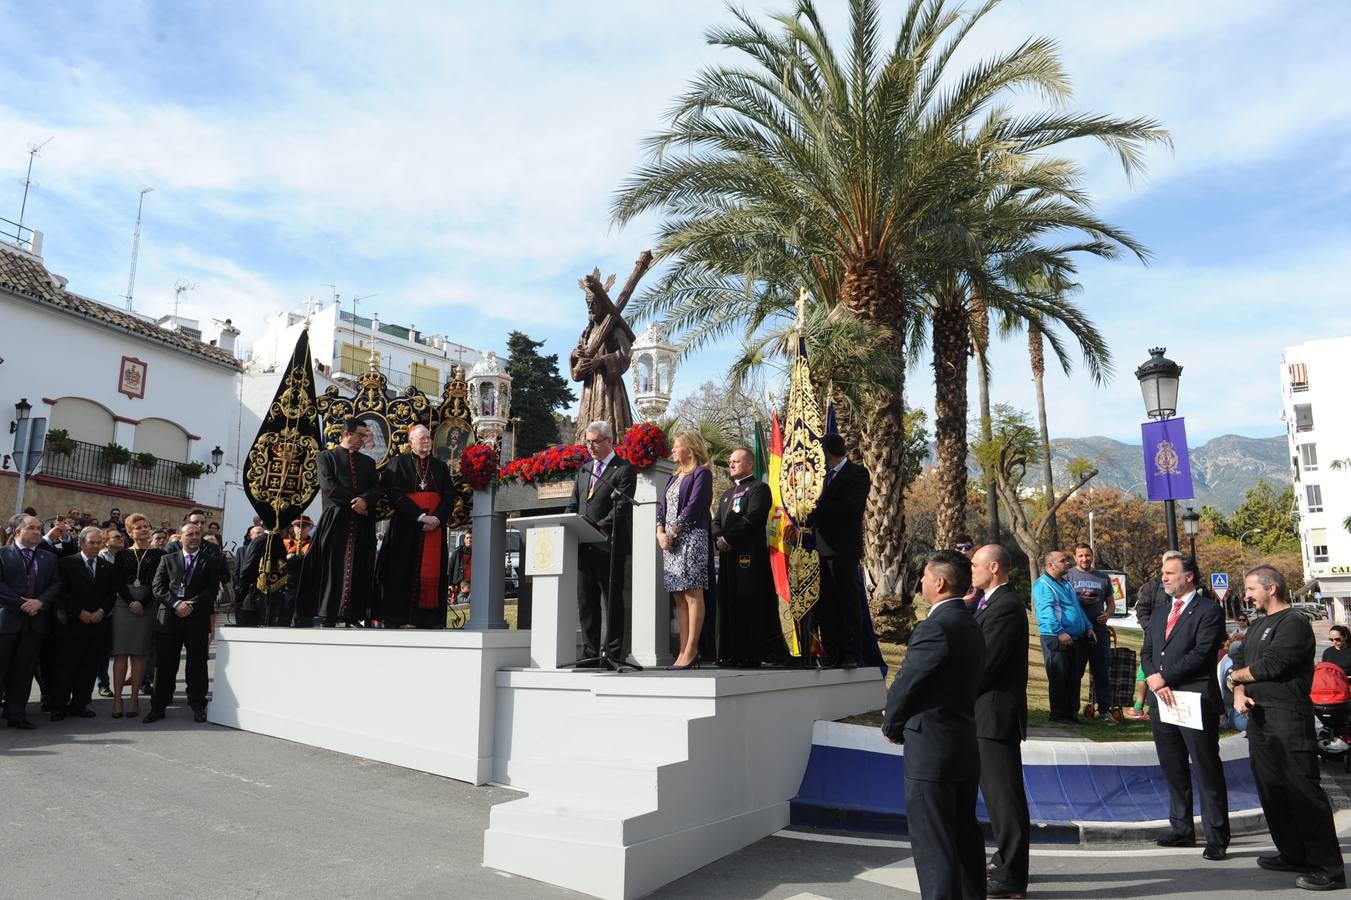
(1038, 696)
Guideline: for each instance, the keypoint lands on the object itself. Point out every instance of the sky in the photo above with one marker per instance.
(457, 161)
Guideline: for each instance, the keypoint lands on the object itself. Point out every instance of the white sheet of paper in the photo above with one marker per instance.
(1185, 711)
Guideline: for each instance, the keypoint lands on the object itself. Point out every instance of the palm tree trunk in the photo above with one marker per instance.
(980, 342)
(950, 411)
(1037, 356)
(872, 290)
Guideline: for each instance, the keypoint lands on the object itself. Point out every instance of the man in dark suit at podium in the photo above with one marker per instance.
(602, 484)
(931, 710)
(1001, 719)
(185, 589)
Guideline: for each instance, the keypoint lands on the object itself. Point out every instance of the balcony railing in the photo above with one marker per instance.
(87, 463)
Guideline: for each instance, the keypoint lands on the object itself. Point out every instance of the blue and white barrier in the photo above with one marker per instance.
(855, 779)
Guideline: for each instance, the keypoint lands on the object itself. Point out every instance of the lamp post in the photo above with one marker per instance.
(1191, 521)
(1243, 551)
(28, 434)
(217, 457)
(1159, 377)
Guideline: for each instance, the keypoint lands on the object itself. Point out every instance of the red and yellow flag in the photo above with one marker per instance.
(778, 544)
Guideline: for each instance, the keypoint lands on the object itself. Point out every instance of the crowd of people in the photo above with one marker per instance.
(959, 705)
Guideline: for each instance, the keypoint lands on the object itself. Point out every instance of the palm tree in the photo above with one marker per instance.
(1036, 356)
(838, 172)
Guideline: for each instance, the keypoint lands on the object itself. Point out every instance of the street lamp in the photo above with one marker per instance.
(21, 411)
(217, 457)
(1158, 378)
(1191, 520)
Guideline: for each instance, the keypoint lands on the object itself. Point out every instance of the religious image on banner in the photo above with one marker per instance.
(1168, 474)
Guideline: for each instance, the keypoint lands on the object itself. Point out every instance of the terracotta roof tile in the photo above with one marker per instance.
(24, 274)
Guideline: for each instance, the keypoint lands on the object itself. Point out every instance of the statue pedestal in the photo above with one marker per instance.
(651, 604)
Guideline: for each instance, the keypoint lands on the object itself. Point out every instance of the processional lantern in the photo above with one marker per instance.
(654, 366)
(490, 398)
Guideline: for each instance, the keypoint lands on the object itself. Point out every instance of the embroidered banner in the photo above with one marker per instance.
(1168, 474)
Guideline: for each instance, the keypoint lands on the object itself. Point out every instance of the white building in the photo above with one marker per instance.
(104, 377)
(1313, 377)
(341, 345)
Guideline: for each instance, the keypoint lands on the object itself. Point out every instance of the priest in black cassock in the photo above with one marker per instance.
(336, 580)
(412, 569)
(748, 617)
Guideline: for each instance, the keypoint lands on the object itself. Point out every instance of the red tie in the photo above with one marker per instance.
(1172, 619)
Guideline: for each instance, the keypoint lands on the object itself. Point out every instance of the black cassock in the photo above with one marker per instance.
(337, 575)
(412, 570)
(748, 620)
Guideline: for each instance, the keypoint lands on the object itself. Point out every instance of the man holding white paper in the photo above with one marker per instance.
(1179, 653)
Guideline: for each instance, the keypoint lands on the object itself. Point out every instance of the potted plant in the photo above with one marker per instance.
(116, 454)
(146, 460)
(60, 442)
(191, 469)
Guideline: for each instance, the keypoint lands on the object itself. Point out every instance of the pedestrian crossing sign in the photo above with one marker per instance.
(1219, 583)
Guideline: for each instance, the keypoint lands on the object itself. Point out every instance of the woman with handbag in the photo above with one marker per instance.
(134, 614)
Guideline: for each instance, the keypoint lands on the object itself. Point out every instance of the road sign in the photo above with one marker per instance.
(1219, 583)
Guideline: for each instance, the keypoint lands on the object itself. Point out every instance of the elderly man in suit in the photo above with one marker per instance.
(185, 589)
(88, 592)
(29, 592)
(837, 523)
(931, 710)
(1179, 653)
(1001, 719)
(602, 485)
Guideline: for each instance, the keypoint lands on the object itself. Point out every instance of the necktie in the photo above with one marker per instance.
(188, 561)
(30, 570)
(89, 564)
(830, 476)
(1172, 619)
(595, 476)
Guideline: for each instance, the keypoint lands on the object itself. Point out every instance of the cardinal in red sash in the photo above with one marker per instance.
(411, 571)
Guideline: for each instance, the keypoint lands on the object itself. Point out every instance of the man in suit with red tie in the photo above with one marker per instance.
(602, 485)
(185, 589)
(1180, 648)
(29, 591)
(837, 523)
(88, 592)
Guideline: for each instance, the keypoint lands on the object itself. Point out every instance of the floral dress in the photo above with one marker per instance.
(685, 565)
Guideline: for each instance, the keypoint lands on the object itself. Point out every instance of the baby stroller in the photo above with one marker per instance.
(1331, 696)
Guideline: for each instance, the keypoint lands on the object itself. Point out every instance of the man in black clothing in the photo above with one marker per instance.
(30, 589)
(1001, 719)
(1272, 690)
(931, 710)
(837, 523)
(184, 588)
(337, 575)
(88, 592)
(748, 622)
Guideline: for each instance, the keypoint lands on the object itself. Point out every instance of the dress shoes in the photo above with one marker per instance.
(1320, 881)
(199, 715)
(1279, 863)
(85, 713)
(57, 717)
(1000, 889)
(1176, 840)
(1215, 854)
(153, 716)
(21, 724)
(588, 664)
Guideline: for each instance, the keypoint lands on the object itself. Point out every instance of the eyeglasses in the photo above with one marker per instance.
(966, 546)
(1336, 640)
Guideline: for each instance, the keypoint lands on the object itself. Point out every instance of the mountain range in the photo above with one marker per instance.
(1224, 468)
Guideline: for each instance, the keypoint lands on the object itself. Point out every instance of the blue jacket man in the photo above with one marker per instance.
(1066, 635)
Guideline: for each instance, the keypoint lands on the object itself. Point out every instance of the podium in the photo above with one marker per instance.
(551, 564)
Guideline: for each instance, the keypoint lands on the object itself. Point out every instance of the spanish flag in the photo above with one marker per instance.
(778, 545)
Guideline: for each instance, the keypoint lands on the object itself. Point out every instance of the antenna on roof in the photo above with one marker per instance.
(135, 247)
(181, 287)
(33, 150)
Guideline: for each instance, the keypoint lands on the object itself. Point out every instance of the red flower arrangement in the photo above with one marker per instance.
(550, 464)
(642, 445)
(478, 465)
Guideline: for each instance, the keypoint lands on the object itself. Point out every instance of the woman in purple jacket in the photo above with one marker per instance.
(684, 520)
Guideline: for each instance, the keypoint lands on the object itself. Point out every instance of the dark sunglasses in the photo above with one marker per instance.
(965, 546)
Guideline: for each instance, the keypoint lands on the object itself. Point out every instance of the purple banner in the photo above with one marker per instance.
(1168, 471)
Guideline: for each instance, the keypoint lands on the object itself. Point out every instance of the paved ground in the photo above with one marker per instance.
(104, 808)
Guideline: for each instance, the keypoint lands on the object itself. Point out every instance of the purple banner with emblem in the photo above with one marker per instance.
(1168, 471)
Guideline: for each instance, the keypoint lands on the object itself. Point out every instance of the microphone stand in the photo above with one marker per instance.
(602, 659)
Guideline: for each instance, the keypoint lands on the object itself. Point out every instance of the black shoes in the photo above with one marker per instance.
(1279, 863)
(1215, 854)
(1000, 889)
(1176, 840)
(105, 691)
(85, 713)
(153, 716)
(1320, 881)
(21, 724)
(199, 715)
(58, 717)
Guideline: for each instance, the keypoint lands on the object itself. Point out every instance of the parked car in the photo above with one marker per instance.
(1313, 610)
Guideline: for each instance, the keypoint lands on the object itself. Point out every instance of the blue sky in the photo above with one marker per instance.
(458, 161)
